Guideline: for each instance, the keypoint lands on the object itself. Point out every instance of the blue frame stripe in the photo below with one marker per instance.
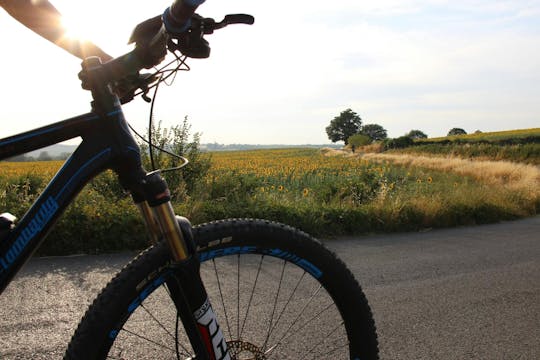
(22, 137)
(104, 152)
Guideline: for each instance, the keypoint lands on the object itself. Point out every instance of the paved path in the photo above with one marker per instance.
(465, 293)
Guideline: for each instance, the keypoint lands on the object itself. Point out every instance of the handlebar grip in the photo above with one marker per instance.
(177, 17)
(122, 66)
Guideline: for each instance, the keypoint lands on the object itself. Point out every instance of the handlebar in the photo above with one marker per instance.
(178, 29)
(177, 17)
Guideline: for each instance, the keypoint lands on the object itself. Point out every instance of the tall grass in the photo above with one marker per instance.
(514, 145)
(514, 176)
(524, 153)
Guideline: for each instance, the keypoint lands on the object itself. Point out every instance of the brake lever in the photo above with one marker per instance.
(127, 88)
(239, 19)
(192, 43)
(209, 25)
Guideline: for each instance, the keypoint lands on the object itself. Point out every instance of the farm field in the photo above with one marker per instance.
(514, 145)
(323, 195)
(490, 136)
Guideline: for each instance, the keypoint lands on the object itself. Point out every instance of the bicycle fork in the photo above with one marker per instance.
(186, 288)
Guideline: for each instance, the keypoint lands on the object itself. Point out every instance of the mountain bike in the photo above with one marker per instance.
(229, 289)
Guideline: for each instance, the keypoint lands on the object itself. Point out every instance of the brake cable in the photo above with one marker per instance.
(164, 75)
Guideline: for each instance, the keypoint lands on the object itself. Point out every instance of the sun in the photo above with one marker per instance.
(75, 29)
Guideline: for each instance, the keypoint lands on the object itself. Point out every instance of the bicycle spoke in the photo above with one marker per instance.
(295, 320)
(313, 318)
(275, 305)
(345, 345)
(288, 301)
(157, 321)
(177, 343)
(252, 294)
(238, 296)
(221, 296)
(148, 340)
(325, 338)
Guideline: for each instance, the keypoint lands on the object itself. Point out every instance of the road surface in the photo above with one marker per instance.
(464, 293)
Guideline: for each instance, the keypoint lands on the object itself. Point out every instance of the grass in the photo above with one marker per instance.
(515, 145)
(324, 195)
(513, 176)
(494, 136)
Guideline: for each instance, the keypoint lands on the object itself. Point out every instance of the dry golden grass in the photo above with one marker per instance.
(515, 176)
(376, 147)
(333, 152)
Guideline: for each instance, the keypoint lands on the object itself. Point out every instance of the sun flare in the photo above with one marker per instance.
(76, 30)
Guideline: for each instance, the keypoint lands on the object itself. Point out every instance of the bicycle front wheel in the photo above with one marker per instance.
(277, 293)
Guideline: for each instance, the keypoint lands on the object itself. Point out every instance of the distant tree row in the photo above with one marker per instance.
(43, 156)
(347, 127)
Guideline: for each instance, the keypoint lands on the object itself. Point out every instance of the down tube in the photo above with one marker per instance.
(86, 162)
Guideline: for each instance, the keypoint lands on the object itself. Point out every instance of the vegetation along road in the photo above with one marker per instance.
(463, 293)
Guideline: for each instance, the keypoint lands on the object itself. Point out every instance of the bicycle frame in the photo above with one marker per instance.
(108, 144)
(100, 149)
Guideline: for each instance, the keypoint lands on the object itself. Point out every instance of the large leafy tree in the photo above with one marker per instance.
(374, 131)
(416, 134)
(457, 131)
(343, 126)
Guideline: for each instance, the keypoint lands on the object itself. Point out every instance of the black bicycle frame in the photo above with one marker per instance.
(106, 144)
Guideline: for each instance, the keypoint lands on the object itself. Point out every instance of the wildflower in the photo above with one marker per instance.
(430, 179)
(305, 192)
(419, 181)
(280, 188)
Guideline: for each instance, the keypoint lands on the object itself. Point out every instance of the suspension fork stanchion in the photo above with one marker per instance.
(186, 287)
(150, 220)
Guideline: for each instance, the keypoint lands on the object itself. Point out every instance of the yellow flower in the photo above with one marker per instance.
(430, 179)
(305, 192)
(280, 188)
(419, 181)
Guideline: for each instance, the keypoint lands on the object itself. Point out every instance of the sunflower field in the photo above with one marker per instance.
(320, 194)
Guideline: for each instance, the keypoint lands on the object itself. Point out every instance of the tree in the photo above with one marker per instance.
(374, 131)
(456, 131)
(44, 156)
(358, 140)
(343, 126)
(416, 134)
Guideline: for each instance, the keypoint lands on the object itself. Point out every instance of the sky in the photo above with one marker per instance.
(430, 65)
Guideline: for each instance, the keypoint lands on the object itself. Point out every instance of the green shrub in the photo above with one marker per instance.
(399, 143)
(176, 140)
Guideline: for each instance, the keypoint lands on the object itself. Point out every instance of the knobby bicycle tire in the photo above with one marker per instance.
(278, 294)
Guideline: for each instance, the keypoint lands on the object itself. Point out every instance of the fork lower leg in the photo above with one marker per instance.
(186, 287)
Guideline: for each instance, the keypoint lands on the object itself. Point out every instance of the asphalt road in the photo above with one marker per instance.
(465, 293)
